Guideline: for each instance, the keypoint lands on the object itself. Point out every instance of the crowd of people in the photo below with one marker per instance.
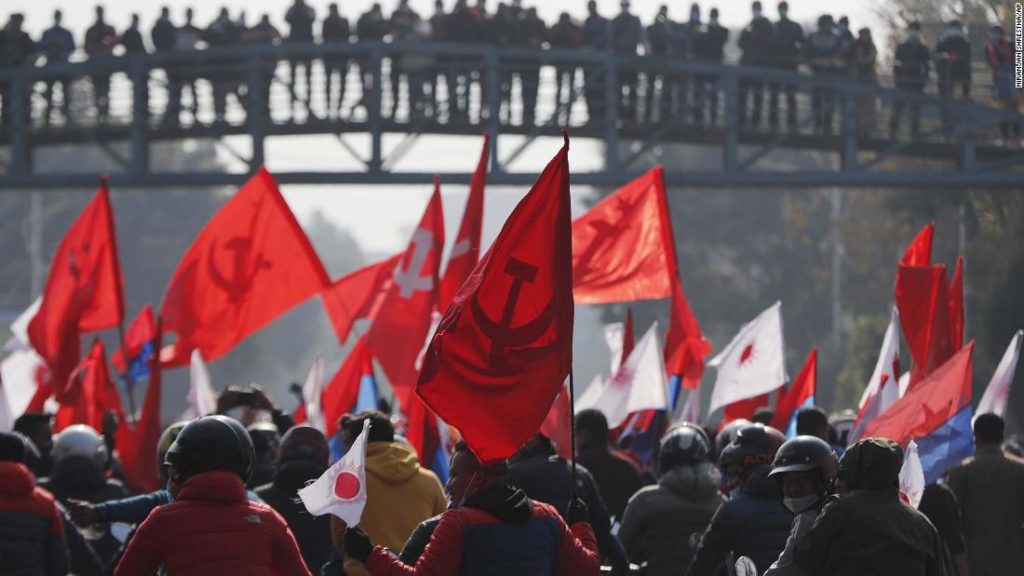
(794, 506)
(442, 86)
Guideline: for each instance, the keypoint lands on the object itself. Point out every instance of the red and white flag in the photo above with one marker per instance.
(341, 490)
(312, 392)
(639, 384)
(998, 391)
(201, 399)
(912, 476)
(887, 367)
(754, 363)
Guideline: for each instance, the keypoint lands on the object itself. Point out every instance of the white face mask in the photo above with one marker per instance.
(801, 504)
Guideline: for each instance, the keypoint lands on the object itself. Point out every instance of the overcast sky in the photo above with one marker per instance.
(379, 217)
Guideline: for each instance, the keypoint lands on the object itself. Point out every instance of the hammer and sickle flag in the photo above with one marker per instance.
(504, 347)
(250, 264)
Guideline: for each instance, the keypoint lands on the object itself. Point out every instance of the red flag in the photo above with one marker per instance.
(558, 424)
(504, 347)
(921, 410)
(628, 338)
(421, 429)
(922, 298)
(141, 331)
(743, 409)
(90, 393)
(956, 307)
(137, 446)
(398, 332)
(250, 264)
(799, 391)
(919, 252)
(620, 251)
(685, 346)
(358, 295)
(341, 393)
(465, 252)
(83, 292)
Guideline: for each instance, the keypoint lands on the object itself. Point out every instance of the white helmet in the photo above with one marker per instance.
(79, 440)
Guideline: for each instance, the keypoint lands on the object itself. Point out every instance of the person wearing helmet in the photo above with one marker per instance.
(210, 527)
(301, 460)
(661, 520)
(32, 539)
(806, 468)
(266, 440)
(868, 529)
(754, 522)
(79, 474)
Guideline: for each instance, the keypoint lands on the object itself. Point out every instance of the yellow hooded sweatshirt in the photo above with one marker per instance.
(399, 495)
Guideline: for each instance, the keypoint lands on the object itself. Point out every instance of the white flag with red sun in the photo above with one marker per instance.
(753, 363)
(341, 490)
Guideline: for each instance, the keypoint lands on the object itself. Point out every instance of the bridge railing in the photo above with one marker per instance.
(263, 91)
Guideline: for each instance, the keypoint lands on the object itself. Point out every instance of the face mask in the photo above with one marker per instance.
(801, 504)
(757, 13)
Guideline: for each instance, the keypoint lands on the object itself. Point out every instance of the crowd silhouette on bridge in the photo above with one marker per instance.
(449, 86)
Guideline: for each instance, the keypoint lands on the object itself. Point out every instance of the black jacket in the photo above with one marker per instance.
(313, 533)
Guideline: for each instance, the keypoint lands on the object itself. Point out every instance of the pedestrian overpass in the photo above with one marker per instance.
(475, 89)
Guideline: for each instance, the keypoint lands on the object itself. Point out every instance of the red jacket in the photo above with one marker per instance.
(211, 529)
(577, 553)
(31, 529)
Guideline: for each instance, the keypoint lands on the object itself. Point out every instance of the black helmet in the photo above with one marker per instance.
(685, 444)
(212, 443)
(728, 433)
(805, 453)
(754, 445)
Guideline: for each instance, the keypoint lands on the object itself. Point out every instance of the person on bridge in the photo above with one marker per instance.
(757, 41)
(531, 32)
(100, 40)
(57, 44)
(953, 67)
(335, 32)
(824, 52)
(223, 32)
(627, 34)
(596, 35)
(708, 45)
(131, 39)
(660, 44)
(910, 70)
(180, 75)
(786, 51)
(371, 27)
(1000, 56)
(403, 26)
(300, 18)
(566, 34)
(863, 62)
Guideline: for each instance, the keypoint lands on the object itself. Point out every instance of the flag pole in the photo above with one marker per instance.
(572, 435)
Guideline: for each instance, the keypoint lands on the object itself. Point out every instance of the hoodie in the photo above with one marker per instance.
(399, 495)
(31, 529)
(661, 521)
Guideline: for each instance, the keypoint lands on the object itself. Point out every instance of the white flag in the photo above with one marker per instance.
(753, 363)
(639, 384)
(201, 399)
(341, 490)
(876, 406)
(591, 394)
(21, 372)
(691, 409)
(6, 418)
(19, 328)
(312, 391)
(613, 334)
(912, 476)
(998, 392)
(888, 363)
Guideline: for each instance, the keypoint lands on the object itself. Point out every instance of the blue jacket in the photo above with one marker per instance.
(134, 509)
(753, 524)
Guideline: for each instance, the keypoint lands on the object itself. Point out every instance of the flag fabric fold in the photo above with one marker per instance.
(504, 347)
(139, 342)
(341, 490)
(936, 414)
(83, 292)
(351, 389)
(90, 393)
(887, 367)
(639, 384)
(137, 443)
(250, 264)
(465, 253)
(956, 307)
(919, 251)
(201, 398)
(912, 476)
(753, 363)
(922, 297)
(358, 295)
